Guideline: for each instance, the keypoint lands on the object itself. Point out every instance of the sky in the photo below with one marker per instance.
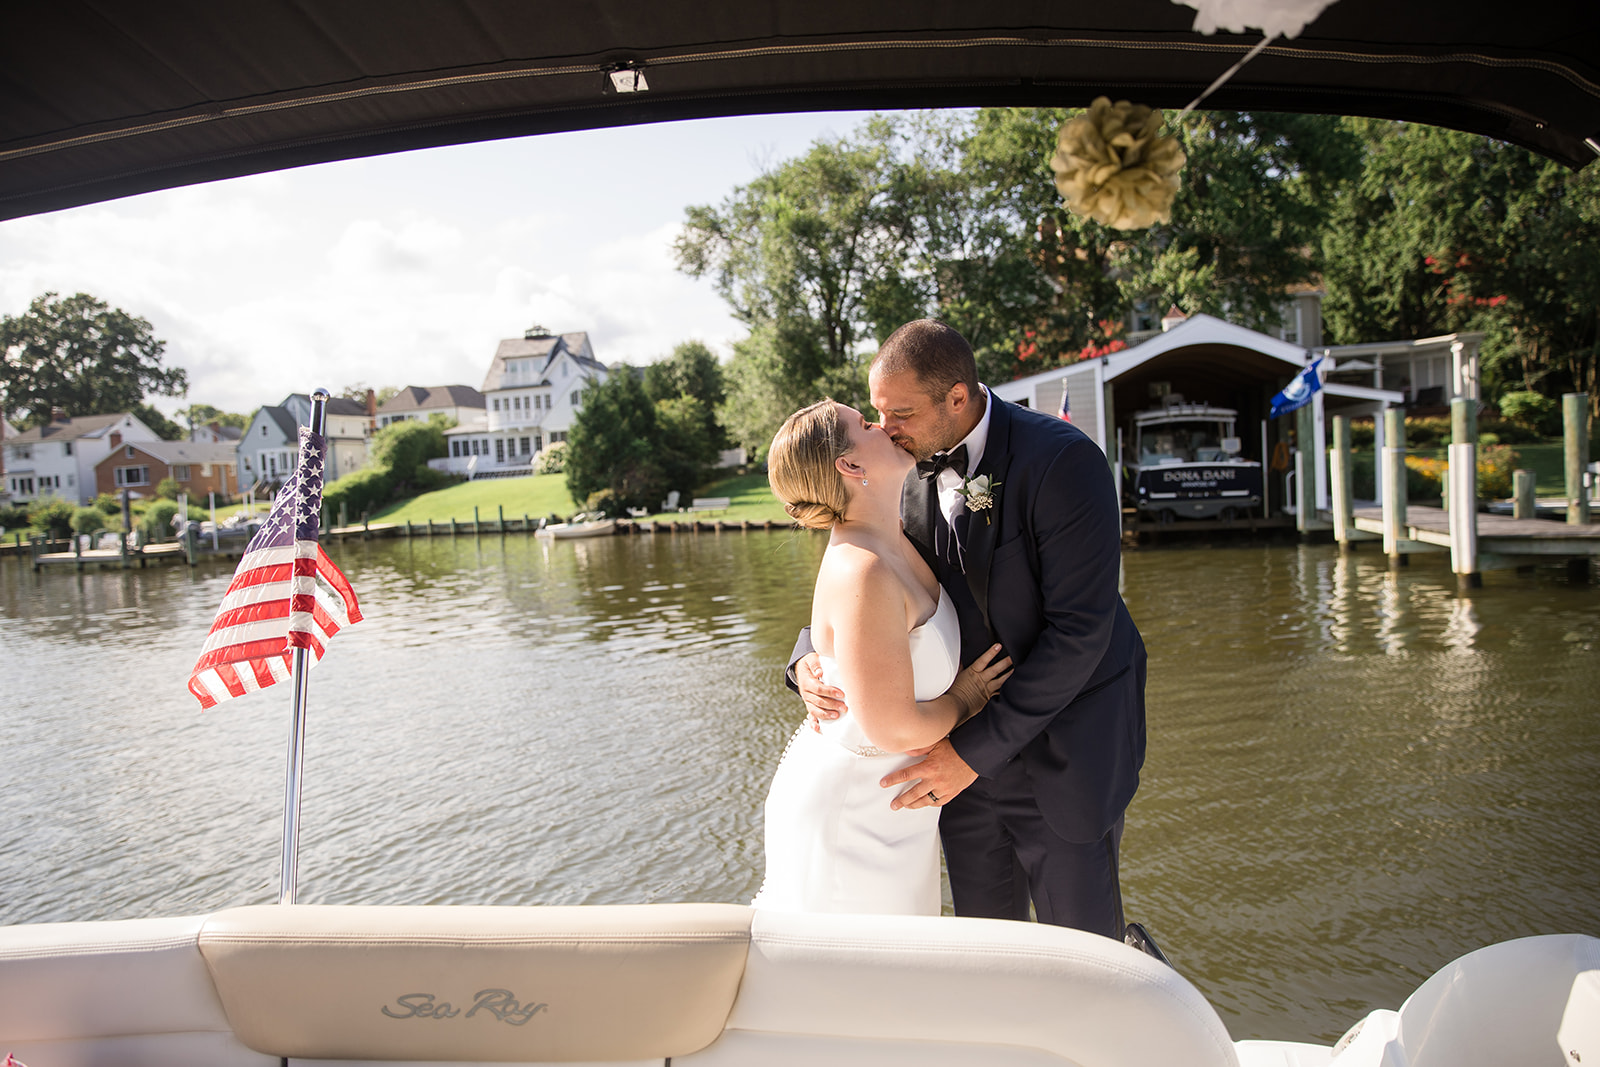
(408, 269)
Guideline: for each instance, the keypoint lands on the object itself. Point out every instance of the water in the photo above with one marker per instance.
(1353, 777)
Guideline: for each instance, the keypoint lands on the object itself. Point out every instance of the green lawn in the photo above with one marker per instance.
(541, 494)
(546, 494)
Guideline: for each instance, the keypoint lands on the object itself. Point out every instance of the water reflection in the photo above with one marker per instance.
(1354, 774)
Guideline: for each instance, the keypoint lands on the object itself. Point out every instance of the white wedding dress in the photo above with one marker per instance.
(833, 844)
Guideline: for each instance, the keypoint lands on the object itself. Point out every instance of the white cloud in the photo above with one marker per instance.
(409, 269)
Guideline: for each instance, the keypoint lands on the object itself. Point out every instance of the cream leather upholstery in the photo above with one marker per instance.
(130, 993)
(882, 989)
(478, 983)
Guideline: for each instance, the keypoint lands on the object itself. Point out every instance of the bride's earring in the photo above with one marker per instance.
(863, 481)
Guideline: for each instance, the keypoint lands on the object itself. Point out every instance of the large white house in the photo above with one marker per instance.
(532, 392)
(271, 441)
(58, 458)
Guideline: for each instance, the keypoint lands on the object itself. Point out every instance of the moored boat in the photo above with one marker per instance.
(579, 528)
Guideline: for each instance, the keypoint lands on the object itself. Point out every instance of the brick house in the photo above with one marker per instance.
(199, 467)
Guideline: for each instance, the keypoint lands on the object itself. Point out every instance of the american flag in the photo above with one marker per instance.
(286, 594)
(1066, 404)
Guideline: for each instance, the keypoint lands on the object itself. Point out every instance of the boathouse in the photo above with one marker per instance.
(1205, 360)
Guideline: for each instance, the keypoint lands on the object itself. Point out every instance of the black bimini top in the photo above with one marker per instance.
(106, 98)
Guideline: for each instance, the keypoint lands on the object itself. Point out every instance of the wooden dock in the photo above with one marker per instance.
(1427, 529)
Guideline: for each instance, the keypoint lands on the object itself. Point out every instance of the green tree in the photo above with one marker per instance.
(164, 427)
(205, 415)
(403, 449)
(79, 354)
(1445, 231)
(1245, 226)
(168, 489)
(691, 371)
(612, 443)
(685, 449)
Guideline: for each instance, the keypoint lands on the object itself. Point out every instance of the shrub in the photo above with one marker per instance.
(156, 525)
(553, 460)
(425, 479)
(401, 448)
(1531, 410)
(1496, 465)
(109, 503)
(603, 502)
(1505, 431)
(88, 520)
(13, 517)
(52, 515)
(168, 489)
(1428, 432)
(365, 490)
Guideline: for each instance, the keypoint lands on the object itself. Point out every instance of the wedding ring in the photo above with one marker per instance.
(933, 796)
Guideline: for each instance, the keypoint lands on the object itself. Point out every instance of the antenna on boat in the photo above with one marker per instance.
(289, 864)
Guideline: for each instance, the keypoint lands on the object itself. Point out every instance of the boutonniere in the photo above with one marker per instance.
(979, 493)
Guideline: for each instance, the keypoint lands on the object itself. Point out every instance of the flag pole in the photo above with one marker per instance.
(289, 864)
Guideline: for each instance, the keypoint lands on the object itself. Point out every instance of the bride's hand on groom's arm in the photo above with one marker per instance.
(979, 681)
(822, 701)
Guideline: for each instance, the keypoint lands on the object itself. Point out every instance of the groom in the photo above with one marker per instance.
(1035, 786)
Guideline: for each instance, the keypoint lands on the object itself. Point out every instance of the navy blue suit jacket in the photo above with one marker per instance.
(1041, 577)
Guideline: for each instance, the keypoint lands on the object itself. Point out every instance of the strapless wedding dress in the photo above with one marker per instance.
(833, 844)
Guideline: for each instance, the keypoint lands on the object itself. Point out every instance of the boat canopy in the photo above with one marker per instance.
(106, 100)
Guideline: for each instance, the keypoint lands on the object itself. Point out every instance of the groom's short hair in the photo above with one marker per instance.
(934, 353)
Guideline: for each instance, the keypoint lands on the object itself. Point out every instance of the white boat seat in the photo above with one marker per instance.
(474, 984)
(888, 990)
(126, 992)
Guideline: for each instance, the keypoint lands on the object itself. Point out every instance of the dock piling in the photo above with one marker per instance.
(476, 529)
(1574, 411)
(1339, 472)
(1522, 495)
(1463, 478)
(1394, 485)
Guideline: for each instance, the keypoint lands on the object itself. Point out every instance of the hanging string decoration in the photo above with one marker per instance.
(1112, 165)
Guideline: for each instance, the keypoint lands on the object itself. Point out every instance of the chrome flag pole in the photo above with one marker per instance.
(289, 863)
(286, 602)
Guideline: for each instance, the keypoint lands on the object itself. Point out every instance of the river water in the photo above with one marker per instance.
(1354, 776)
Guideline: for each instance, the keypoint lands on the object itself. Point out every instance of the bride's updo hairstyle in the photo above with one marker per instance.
(800, 465)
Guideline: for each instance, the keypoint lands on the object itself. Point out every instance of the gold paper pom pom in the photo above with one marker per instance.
(1112, 167)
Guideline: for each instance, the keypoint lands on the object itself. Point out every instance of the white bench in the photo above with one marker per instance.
(708, 985)
(710, 503)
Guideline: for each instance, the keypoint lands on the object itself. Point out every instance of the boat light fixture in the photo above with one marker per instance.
(628, 79)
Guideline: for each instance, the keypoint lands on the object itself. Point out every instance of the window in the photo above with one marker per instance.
(538, 443)
(475, 449)
(525, 446)
(499, 450)
(455, 449)
(66, 447)
(125, 476)
(22, 486)
(128, 452)
(557, 436)
(497, 403)
(181, 472)
(575, 395)
(205, 470)
(263, 429)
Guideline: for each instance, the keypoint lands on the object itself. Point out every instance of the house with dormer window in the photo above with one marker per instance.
(532, 392)
(270, 443)
(57, 458)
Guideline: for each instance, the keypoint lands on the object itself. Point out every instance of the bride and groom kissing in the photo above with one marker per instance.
(963, 530)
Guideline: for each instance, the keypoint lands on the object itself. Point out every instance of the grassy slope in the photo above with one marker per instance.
(546, 494)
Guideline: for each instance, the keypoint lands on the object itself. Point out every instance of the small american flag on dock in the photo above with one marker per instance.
(286, 594)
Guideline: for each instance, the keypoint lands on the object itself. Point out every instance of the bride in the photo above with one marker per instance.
(888, 636)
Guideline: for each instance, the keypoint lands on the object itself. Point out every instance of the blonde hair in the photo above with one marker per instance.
(800, 465)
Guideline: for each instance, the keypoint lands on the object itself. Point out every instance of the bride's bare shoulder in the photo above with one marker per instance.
(851, 566)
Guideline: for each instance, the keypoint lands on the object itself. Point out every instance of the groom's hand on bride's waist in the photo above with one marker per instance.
(939, 777)
(822, 701)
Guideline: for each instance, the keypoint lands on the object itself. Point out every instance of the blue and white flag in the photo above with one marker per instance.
(1297, 394)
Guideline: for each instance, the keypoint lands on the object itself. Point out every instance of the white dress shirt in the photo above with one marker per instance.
(951, 502)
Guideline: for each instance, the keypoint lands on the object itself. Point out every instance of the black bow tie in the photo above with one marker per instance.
(955, 459)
